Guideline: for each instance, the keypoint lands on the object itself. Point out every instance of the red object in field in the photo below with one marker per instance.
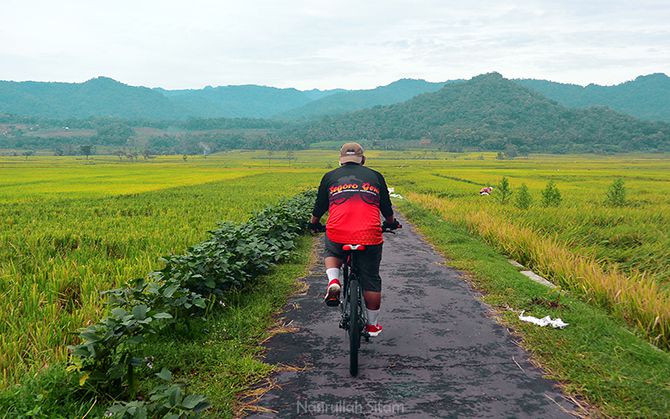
(486, 191)
(350, 247)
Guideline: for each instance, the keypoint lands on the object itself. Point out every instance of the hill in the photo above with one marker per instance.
(489, 112)
(108, 98)
(105, 97)
(99, 97)
(646, 97)
(352, 100)
(246, 101)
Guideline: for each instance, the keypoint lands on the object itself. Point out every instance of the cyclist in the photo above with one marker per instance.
(354, 196)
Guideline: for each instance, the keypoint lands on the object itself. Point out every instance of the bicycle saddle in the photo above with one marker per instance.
(350, 247)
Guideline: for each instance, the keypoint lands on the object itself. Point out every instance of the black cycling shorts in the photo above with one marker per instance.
(367, 262)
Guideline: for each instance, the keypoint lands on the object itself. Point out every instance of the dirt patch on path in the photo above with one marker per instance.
(440, 354)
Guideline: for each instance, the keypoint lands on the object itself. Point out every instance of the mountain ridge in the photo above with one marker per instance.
(59, 100)
(351, 100)
(491, 113)
(97, 97)
(646, 97)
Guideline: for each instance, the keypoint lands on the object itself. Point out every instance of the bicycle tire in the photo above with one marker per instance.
(354, 326)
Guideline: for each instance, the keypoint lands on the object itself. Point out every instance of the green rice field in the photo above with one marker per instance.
(70, 230)
(71, 227)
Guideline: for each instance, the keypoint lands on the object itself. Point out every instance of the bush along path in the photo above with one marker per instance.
(109, 363)
(440, 354)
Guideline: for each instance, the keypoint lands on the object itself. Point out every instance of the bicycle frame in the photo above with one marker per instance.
(353, 309)
(354, 315)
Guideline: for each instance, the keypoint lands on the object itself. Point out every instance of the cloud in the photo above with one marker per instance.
(327, 44)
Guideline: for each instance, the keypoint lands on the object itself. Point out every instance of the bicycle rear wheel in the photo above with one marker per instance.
(354, 326)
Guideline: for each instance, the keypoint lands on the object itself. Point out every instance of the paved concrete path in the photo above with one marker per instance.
(440, 354)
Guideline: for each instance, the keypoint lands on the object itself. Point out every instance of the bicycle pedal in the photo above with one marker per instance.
(332, 302)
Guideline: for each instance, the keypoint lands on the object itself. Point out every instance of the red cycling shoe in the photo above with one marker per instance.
(332, 297)
(373, 329)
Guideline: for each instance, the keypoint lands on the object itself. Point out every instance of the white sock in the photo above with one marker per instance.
(333, 273)
(372, 316)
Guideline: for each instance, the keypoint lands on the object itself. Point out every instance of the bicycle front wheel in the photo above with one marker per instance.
(354, 326)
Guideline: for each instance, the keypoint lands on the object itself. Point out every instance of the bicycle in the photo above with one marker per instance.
(354, 317)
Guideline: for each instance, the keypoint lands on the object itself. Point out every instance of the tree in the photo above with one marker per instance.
(551, 196)
(113, 133)
(503, 192)
(86, 150)
(511, 151)
(523, 199)
(616, 194)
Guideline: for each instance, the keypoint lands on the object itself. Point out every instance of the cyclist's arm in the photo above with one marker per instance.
(321, 204)
(385, 201)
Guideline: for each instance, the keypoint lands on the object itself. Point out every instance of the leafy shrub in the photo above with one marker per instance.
(551, 196)
(105, 358)
(523, 199)
(167, 401)
(503, 192)
(109, 353)
(616, 194)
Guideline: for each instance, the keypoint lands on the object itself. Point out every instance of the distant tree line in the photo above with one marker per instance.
(189, 124)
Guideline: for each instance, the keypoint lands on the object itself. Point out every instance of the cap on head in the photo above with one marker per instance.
(351, 153)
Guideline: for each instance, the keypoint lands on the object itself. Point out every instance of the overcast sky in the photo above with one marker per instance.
(333, 43)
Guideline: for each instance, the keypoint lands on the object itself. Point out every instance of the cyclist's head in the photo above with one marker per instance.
(352, 153)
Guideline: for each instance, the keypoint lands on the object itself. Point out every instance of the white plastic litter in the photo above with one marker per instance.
(537, 278)
(394, 195)
(544, 321)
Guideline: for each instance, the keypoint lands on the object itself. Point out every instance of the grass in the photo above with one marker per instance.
(48, 395)
(595, 358)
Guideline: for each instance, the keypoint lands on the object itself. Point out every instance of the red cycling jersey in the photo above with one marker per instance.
(354, 196)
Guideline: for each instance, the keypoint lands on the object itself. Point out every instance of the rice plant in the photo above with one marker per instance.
(69, 231)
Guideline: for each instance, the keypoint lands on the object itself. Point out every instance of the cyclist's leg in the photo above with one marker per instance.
(333, 254)
(333, 262)
(368, 268)
(373, 299)
(371, 282)
(333, 257)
